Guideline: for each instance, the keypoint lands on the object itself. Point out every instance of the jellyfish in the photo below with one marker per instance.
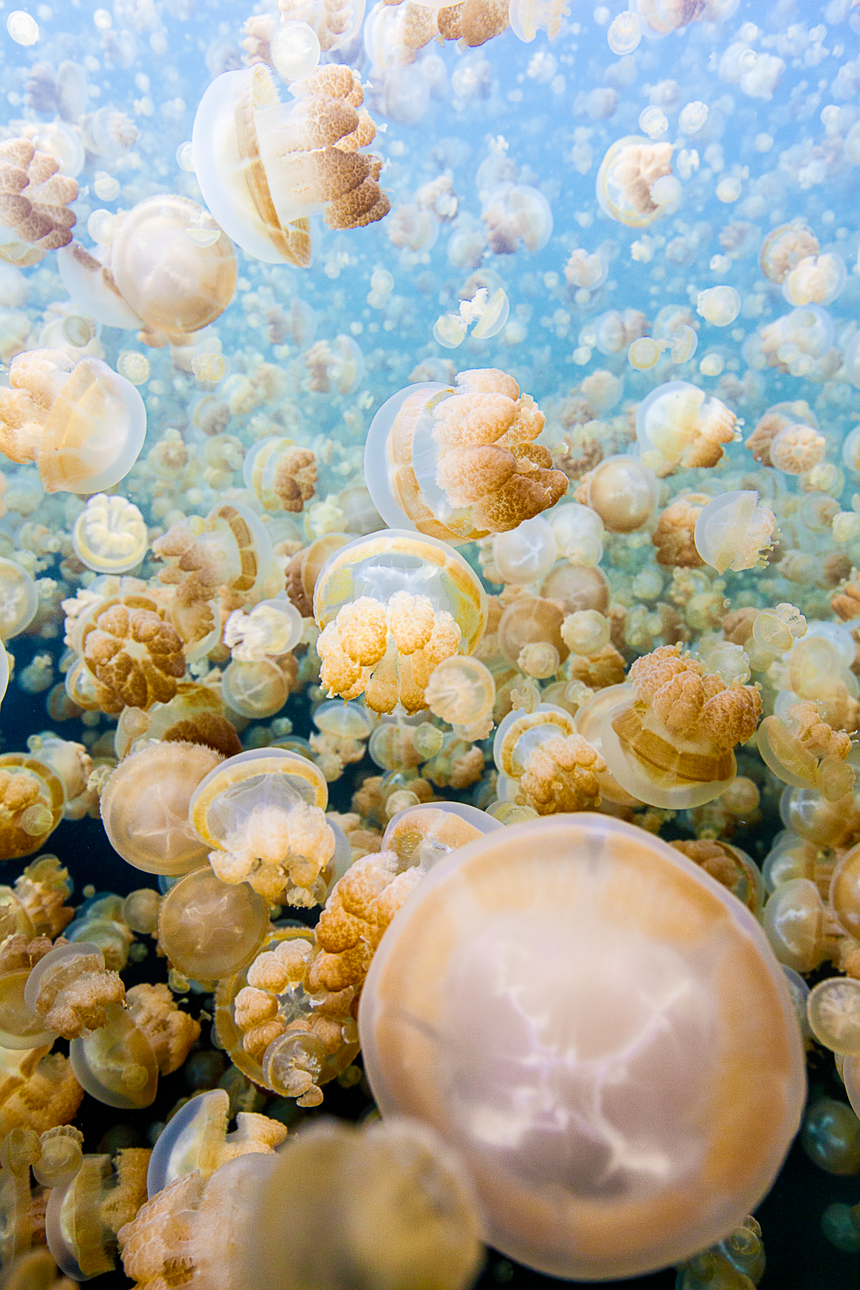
(337, 367)
(676, 427)
(144, 806)
(785, 247)
(620, 962)
(110, 535)
(635, 184)
(82, 424)
(172, 265)
(262, 815)
(19, 599)
(390, 608)
(670, 740)
(476, 468)
(264, 167)
(32, 801)
(209, 929)
(735, 531)
(622, 491)
(281, 474)
(34, 203)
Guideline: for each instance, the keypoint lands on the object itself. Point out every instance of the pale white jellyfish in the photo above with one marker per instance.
(719, 306)
(735, 532)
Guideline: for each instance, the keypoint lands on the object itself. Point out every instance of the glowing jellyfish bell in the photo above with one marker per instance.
(82, 424)
(635, 184)
(622, 961)
(110, 535)
(173, 265)
(460, 462)
(19, 599)
(735, 531)
(295, 50)
(264, 166)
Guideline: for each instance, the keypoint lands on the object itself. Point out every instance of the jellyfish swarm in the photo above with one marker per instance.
(600, 1032)
(82, 424)
(264, 166)
(391, 607)
(460, 462)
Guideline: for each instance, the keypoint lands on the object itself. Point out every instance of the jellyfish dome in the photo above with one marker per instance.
(602, 1035)
(82, 424)
(458, 462)
(264, 166)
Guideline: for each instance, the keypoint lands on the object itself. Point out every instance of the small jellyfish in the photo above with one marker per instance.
(603, 959)
(816, 279)
(459, 462)
(264, 166)
(461, 691)
(784, 248)
(527, 553)
(19, 599)
(677, 427)
(262, 813)
(144, 806)
(173, 265)
(624, 34)
(335, 368)
(514, 214)
(735, 531)
(282, 475)
(31, 804)
(390, 608)
(209, 929)
(110, 535)
(82, 424)
(670, 741)
(719, 306)
(295, 49)
(622, 491)
(635, 184)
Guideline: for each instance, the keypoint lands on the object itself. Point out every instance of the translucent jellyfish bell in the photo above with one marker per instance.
(629, 177)
(173, 265)
(457, 462)
(550, 1082)
(82, 424)
(209, 929)
(735, 532)
(527, 553)
(19, 599)
(110, 535)
(295, 49)
(264, 166)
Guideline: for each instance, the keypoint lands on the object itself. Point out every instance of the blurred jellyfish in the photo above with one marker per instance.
(635, 184)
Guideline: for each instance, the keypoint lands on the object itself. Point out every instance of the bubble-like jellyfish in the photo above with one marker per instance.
(461, 690)
(719, 306)
(635, 184)
(335, 367)
(82, 424)
(19, 599)
(31, 801)
(457, 462)
(815, 279)
(173, 265)
(210, 929)
(528, 17)
(514, 214)
(670, 740)
(144, 806)
(129, 655)
(265, 166)
(281, 474)
(391, 607)
(677, 427)
(335, 24)
(262, 814)
(617, 952)
(110, 535)
(34, 203)
(735, 531)
(784, 248)
(622, 490)
(231, 547)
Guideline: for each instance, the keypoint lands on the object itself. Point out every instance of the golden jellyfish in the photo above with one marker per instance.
(34, 203)
(785, 247)
(173, 265)
(209, 929)
(677, 427)
(390, 608)
(231, 547)
(461, 690)
(262, 813)
(735, 531)
(264, 166)
(82, 424)
(31, 804)
(459, 462)
(816, 279)
(255, 688)
(132, 655)
(144, 806)
(635, 184)
(622, 490)
(281, 474)
(514, 214)
(110, 535)
(335, 368)
(19, 599)
(670, 740)
(620, 956)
